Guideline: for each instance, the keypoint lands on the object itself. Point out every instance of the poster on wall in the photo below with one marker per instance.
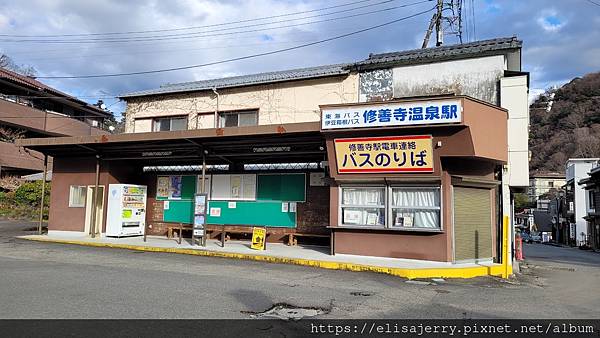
(199, 221)
(162, 187)
(352, 216)
(389, 154)
(236, 186)
(200, 204)
(175, 187)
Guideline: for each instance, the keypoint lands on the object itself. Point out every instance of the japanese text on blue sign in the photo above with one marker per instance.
(393, 114)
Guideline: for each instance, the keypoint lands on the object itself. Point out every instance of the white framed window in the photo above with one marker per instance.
(394, 207)
(233, 187)
(77, 195)
(363, 206)
(170, 123)
(238, 118)
(413, 207)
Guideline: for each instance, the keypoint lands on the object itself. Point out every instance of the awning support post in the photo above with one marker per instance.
(95, 198)
(43, 194)
(203, 191)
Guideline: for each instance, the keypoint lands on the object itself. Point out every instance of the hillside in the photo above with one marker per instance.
(565, 123)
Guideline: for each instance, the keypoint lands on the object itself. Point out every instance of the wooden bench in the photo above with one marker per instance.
(234, 229)
(180, 227)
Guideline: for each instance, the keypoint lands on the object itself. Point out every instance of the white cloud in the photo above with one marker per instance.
(550, 21)
(534, 93)
(4, 21)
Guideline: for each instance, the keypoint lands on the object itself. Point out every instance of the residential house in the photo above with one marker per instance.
(29, 108)
(576, 207)
(541, 183)
(591, 184)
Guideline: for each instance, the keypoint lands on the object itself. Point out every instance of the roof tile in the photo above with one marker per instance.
(415, 56)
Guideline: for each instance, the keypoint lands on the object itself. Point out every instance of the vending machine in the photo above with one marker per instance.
(126, 215)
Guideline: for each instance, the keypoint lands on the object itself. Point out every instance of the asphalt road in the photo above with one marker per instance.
(45, 280)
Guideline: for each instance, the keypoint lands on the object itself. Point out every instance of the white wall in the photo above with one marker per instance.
(143, 125)
(577, 170)
(477, 77)
(513, 97)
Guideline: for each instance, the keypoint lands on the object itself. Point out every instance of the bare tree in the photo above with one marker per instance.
(10, 183)
(10, 135)
(8, 63)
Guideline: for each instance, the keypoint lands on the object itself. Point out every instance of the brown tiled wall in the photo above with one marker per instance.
(155, 216)
(313, 215)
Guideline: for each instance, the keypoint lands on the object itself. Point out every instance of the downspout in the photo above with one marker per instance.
(204, 152)
(43, 194)
(95, 200)
(216, 108)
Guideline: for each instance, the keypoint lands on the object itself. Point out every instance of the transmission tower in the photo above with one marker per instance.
(447, 20)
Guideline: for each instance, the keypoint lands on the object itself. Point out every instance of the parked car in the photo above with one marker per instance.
(531, 238)
(535, 238)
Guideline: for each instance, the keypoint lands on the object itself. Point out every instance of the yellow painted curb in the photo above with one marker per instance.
(467, 272)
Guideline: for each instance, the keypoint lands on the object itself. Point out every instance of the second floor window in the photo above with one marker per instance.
(238, 118)
(170, 124)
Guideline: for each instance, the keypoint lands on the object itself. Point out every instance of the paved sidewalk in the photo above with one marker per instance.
(281, 253)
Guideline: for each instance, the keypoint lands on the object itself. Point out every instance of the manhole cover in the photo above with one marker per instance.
(288, 312)
(361, 294)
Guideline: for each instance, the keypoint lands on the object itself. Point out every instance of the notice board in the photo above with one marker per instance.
(188, 189)
(257, 213)
(181, 209)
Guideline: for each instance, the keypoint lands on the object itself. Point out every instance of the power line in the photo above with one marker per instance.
(241, 57)
(161, 51)
(104, 96)
(195, 27)
(202, 35)
(473, 19)
(594, 3)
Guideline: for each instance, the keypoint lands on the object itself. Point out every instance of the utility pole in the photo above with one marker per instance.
(439, 32)
(447, 12)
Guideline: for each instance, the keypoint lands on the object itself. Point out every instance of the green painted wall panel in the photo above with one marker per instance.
(263, 213)
(182, 210)
(179, 211)
(188, 187)
(286, 187)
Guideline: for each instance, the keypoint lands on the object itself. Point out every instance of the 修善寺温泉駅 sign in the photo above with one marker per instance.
(393, 114)
(389, 154)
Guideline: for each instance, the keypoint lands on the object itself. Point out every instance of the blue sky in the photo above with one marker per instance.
(560, 38)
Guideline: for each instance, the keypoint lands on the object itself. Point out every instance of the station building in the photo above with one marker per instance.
(409, 154)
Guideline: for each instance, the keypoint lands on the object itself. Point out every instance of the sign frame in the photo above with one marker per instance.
(259, 238)
(199, 214)
(392, 114)
(410, 170)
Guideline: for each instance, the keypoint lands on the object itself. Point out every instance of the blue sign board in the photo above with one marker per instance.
(393, 114)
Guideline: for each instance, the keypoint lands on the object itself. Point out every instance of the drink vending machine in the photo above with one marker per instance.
(126, 215)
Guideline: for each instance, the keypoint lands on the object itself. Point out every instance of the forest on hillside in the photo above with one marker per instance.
(565, 123)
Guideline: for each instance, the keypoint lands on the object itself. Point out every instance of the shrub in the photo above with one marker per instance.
(30, 193)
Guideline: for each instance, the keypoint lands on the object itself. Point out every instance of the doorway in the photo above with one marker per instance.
(99, 209)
